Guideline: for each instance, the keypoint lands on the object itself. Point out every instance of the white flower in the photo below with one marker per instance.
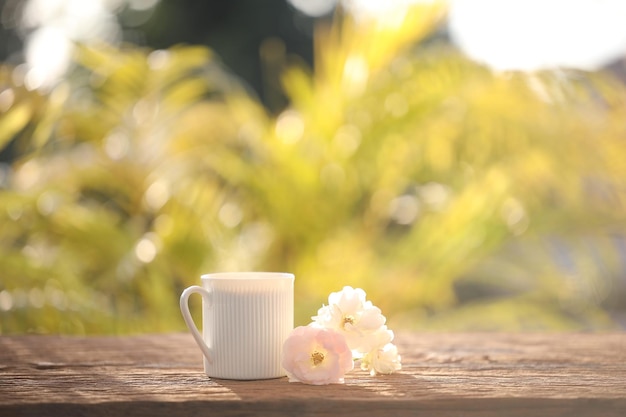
(347, 329)
(384, 360)
(349, 313)
(316, 356)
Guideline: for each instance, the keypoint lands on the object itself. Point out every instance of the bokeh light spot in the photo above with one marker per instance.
(535, 34)
(396, 104)
(158, 59)
(404, 209)
(289, 127)
(6, 300)
(230, 215)
(435, 195)
(347, 140)
(116, 145)
(157, 195)
(314, 8)
(47, 203)
(7, 97)
(146, 249)
(355, 75)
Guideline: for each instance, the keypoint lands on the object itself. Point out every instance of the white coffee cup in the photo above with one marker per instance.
(246, 317)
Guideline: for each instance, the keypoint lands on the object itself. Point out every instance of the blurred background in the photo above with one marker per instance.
(464, 162)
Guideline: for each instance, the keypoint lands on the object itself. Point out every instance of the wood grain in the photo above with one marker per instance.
(443, 375)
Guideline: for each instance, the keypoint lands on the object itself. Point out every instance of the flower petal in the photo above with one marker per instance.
(317, 356)
(385, 360)
(349, 300)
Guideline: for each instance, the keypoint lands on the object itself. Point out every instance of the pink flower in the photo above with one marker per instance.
(316, 356)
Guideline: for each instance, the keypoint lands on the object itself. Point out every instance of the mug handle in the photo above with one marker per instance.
(184, 308)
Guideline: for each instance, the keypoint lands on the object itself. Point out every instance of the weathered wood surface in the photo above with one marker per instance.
(443, 375)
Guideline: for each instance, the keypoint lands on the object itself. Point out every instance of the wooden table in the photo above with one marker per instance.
(443, 375)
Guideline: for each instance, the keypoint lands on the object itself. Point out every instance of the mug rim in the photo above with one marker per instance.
(250, 275)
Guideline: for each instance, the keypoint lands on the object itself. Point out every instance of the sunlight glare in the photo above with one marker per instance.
(48, 53)
(54, 26)
(314, 8)
(365, 9)
(537, 34)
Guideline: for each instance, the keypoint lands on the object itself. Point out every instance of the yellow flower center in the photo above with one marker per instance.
(317, 358)
(346, 320)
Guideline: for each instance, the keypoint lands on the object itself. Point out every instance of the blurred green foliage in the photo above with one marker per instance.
(458, 198)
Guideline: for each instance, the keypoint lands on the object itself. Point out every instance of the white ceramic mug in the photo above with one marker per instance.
(246, 317)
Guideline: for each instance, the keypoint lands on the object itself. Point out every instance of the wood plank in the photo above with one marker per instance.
(443, 375)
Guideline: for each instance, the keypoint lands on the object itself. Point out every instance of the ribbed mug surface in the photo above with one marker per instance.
(245, 321)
